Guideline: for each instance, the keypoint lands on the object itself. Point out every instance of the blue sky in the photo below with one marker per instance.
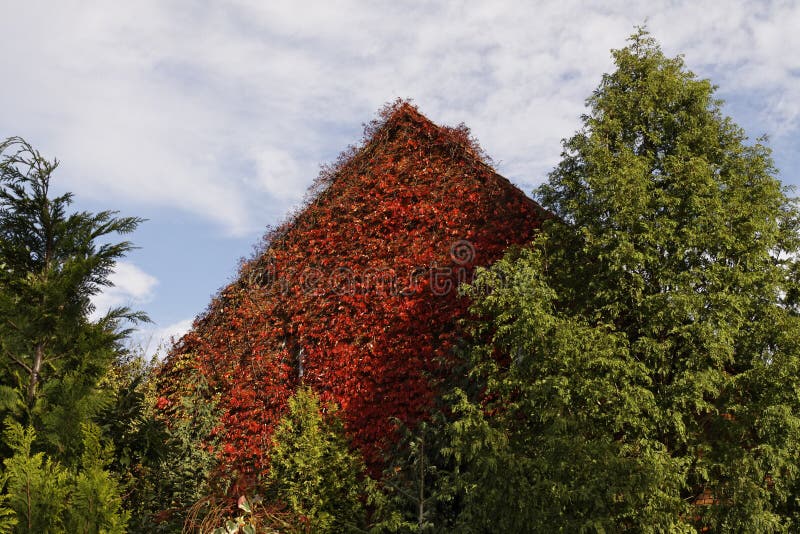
(211, 119)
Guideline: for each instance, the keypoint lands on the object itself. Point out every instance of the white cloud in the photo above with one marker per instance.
(277, 172)
(131, 287)
(157, 340)
(134, 287)
(220, 109)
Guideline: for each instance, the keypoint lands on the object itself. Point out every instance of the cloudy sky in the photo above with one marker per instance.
(211, 119)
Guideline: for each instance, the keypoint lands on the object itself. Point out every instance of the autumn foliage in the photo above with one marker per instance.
(355, 296)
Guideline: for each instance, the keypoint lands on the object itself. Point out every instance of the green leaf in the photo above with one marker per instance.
(244, 504)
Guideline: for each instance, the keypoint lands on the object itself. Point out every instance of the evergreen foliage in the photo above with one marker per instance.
(647, 370)
(53, 356)
(312, 470)
(47, 497)
(416, 492)
(95, 505)
(141, 438)
(182, 485)
(559, 439)
(37, 488)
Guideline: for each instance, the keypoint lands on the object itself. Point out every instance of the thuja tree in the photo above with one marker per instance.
(554, 431)
(313, 471)
(316, 483)
(46, 497)
(641, 363)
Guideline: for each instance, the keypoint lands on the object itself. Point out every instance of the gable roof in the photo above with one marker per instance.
(356, 295)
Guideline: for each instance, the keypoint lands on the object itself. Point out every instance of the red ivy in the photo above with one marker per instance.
(377, 345)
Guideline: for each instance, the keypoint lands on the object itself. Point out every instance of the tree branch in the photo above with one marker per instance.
(18, 361)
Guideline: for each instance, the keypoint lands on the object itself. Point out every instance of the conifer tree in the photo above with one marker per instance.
(46, 497)
(313, 472)
(52, 262)
(53, 356)
(648, 371)
(36, 487)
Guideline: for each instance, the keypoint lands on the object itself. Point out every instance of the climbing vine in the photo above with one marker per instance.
(356, 295)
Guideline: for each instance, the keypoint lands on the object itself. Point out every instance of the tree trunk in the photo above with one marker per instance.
(421, 514)
(38, 358)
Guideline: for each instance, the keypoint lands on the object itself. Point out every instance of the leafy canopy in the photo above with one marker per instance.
(642, 359)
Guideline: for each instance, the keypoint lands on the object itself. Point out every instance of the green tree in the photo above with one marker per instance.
(52, 356)
(542, 444)
(36, 487)
(46, 497)
(312, 470)
(415, 493)
(8, 518)
(95, 505)
(180, 492)
(648, 369)
(143, 457)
